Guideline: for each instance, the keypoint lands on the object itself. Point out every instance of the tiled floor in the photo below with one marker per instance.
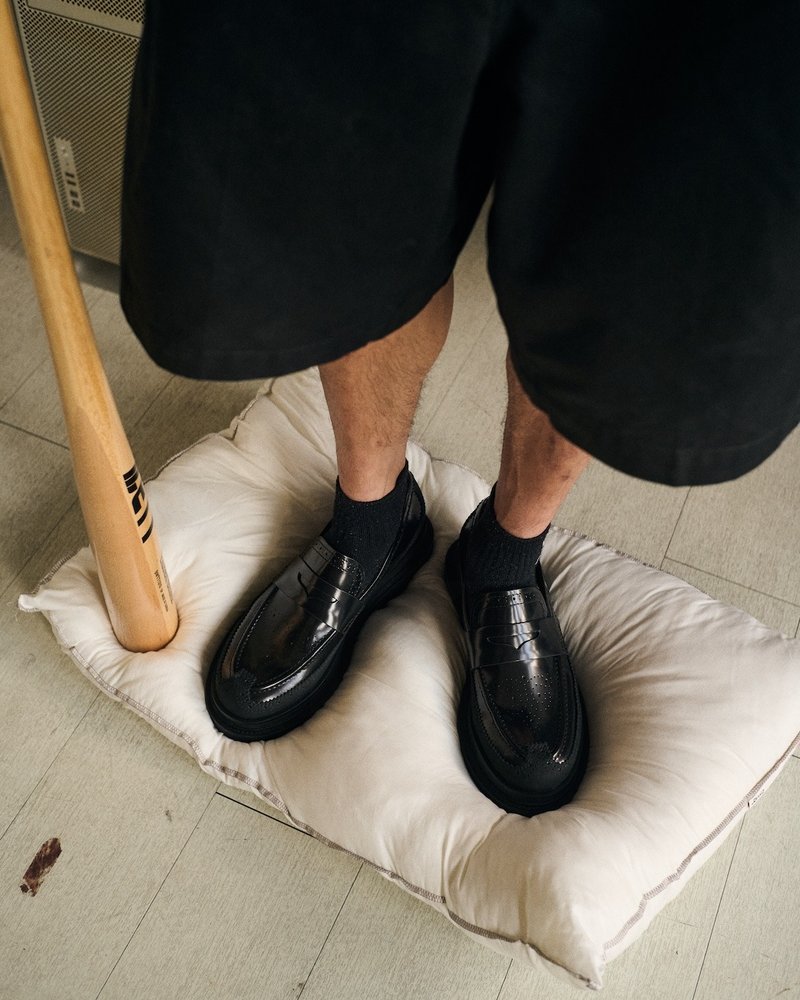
(171, 885)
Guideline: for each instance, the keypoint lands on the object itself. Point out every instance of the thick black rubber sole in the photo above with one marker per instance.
(327, 677)
(483, 775)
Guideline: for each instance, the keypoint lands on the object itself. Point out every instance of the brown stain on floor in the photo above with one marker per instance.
(46, 857)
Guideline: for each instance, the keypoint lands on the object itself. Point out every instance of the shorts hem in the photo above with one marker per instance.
(675, 467)
(227, 365)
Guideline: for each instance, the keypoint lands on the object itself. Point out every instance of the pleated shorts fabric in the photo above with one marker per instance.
(300, 178)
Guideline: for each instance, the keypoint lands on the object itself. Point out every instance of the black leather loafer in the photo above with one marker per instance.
(287, 654)
(521, 721)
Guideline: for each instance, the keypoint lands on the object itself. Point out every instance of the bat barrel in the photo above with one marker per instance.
(118, 521)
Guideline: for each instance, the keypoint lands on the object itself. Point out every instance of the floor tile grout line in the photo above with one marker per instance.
(330, 931)
(4, 403)
(156, 893)
(50, 766)
(41, 437)
(716, 913)
(727, 579)
(675, 527)
(238, 802)
(12, 583)
(505, 977)
(153, 401)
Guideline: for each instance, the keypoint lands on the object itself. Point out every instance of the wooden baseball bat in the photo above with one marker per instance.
(118, 520)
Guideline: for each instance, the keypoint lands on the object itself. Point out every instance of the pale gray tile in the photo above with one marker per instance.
(777, 614)
(631, 515)
(42, 696)
(748, 531)
(122, 801)
(243, 914)
(467, 427)
(474, 296)
(134, 379)
(665, 962)
(36, 488)
(63, 540)
(42, 700)
(386, 944)
(23, 344)
(753, 953)
(9, 233)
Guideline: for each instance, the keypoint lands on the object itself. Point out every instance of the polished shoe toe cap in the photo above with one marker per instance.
(521, 765)
(282, 658)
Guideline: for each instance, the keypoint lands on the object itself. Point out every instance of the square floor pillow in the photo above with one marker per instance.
(693, 706)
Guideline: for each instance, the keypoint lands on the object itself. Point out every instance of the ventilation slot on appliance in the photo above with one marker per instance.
(69, 175)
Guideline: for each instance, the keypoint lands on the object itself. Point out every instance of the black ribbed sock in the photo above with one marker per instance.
(497, 560)
(365, 529)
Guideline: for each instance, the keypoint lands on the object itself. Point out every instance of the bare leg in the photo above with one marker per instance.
(372, 395)
(538, 466)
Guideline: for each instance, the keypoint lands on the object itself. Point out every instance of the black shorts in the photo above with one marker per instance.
(301, 176)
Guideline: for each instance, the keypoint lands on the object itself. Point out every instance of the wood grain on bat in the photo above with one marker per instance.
(129, 560)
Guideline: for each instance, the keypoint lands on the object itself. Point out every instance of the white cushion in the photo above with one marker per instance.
(693, 706)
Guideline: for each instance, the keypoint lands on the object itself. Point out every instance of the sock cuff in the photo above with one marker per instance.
(402, 483)
(366, 529)
(496, 559)
(488, 521)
